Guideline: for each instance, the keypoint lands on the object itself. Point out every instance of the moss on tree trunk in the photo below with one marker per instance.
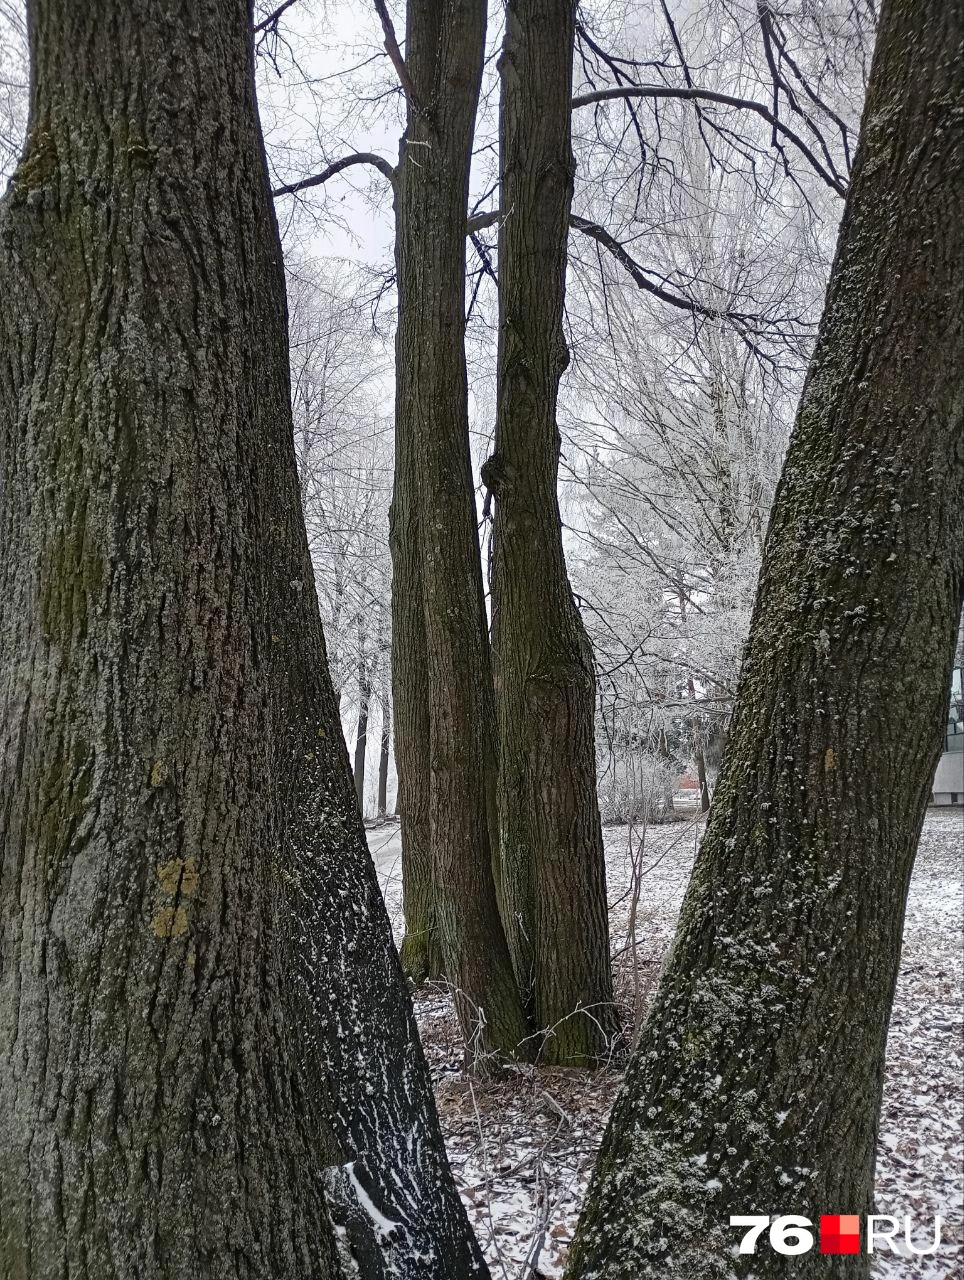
(202, 1015)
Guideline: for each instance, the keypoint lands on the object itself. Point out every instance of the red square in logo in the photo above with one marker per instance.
(839, 1233)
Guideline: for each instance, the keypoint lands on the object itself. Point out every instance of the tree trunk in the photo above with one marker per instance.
(420, 952)
(202, 1016)
(361, 747)
(756, 1086)
(384, 753)
(667, 811)
(361, 730)
(701, 768)
(696, 729)
(445, 45)
(385, 741)
(334, 625)
(554, 879)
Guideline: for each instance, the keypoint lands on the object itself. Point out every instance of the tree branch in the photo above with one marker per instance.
(745, 323)
(272, 18)
(395, 55)
(319, 179)
(748, 326)
(638, 273)
(724, 99)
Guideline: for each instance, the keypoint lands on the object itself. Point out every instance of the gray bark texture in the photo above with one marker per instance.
(756, 1085)
(206, 1046)
(442, 657)
(553, 867)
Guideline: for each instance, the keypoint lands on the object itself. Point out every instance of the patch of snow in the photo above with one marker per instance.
(522, 1147)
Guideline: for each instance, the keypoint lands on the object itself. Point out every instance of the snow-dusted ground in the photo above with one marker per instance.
(522, 1146)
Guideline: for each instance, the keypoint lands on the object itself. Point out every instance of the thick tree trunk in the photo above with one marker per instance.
(444, 50)
(202, 1016)
(554, 879)
(756, 1085)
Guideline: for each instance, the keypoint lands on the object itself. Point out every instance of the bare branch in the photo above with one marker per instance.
(748, 326)
(272, 18)
(395, 55)
(319, 179)
(773, 37)
(724, 99)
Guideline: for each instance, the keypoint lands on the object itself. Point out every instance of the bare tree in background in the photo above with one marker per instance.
(14, 89)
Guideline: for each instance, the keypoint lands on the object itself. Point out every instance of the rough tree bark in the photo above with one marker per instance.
(553, 868)
(434, 492)
(756, 1085)
(421, 956)
(205, 1040)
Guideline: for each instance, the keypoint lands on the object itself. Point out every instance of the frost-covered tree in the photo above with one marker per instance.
(689, 329)
(13, 84)
(341, 404)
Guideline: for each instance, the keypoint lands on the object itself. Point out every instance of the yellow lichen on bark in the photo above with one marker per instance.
(178, 875)
(170, 922)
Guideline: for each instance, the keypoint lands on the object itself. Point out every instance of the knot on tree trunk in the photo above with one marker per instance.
(494, 472)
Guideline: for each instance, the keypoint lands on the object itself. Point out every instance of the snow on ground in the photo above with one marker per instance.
(522, 1146)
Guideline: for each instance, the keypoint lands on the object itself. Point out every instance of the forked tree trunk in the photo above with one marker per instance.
(756, 1086)
(553, 869)
(201, 1011)
(444, 50)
